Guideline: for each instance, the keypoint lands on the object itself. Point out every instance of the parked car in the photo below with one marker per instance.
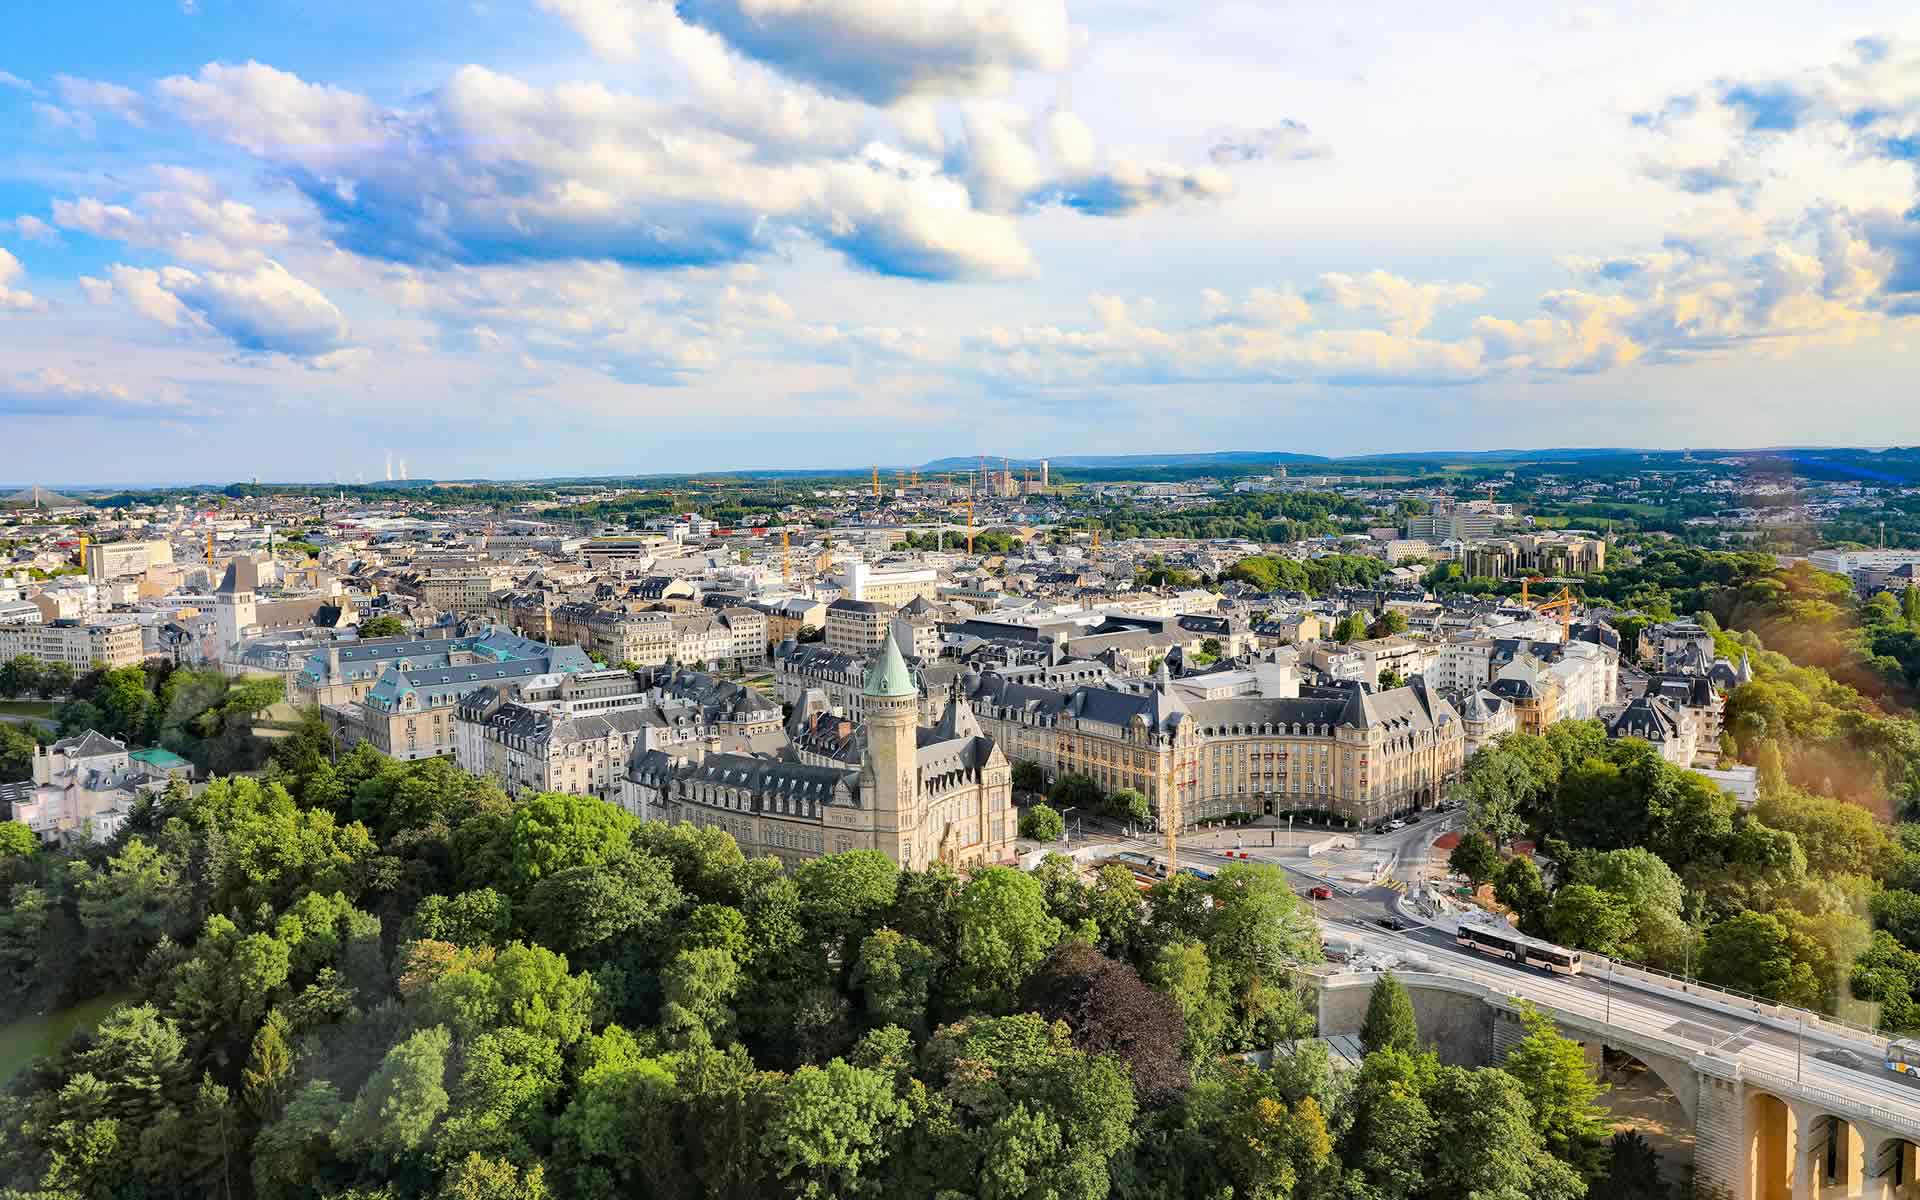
(1320, 892)
(1396, 823)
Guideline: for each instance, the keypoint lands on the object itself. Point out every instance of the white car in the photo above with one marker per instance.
(1396, 823)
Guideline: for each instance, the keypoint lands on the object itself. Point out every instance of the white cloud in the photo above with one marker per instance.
(880, 51)
(1285, 141)
(1406, 306)
(10, 80)
(1001, 161)
(263, 310)
(67, 120)
(195, 225)
(492, 169)
(276, 115)
(11, 272)
(34, 229)
(55, 392)
(98, 96)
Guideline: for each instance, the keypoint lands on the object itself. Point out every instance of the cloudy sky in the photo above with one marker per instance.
(532, 237)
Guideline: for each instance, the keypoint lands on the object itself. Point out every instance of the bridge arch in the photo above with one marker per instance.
(1895, 1163)
(1772, 1145)
(1837, 1154)
(1657, 1098)
(1679, 1079)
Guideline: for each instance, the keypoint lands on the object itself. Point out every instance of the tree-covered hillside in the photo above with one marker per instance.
(372, 980)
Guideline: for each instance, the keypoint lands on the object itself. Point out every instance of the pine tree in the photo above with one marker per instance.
(1553, 1072)
(1910, 606)
(269, 1067)
(1390, 1023)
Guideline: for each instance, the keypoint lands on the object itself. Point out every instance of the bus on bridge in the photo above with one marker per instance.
(1514, 947)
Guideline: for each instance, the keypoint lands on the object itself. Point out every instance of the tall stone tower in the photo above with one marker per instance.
(234, 606)
(888, 769)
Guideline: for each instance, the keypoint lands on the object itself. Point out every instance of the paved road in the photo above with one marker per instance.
(1784, 1053)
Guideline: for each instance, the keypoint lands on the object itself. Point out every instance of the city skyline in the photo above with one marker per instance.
(1230, 462)
(602, 237)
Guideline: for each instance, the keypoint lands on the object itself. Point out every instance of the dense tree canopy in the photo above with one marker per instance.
(368, 978)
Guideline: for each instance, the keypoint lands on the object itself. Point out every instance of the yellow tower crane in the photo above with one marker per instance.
(968, 502)
(1562, 606)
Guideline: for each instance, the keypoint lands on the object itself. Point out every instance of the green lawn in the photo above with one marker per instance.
(27, 708)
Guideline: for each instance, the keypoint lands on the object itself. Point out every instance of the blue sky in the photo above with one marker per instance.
(532, 237)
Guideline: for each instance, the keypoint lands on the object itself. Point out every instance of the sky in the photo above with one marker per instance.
(523, 238)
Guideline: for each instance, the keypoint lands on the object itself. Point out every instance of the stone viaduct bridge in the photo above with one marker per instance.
(1771, 1120)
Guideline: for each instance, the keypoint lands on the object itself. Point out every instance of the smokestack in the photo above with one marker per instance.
(1043, 474)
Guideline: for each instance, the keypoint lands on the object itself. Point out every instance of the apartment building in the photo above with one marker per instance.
(857, 627)
(462, 589)
(582, 733)
(118, 560)
(1368, 660)
(889, 584)
(109, 641)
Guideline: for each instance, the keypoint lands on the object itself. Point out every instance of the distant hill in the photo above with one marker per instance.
(1225, 458)
(29, 497)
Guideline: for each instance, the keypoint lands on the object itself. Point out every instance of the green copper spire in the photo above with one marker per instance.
(889, 675)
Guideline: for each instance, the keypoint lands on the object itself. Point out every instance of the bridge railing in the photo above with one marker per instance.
(1848, 1105)
(1816, 1022)
(1760, 1005)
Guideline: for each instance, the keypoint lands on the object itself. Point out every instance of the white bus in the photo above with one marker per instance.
(1515, 947)
(1903, 1058)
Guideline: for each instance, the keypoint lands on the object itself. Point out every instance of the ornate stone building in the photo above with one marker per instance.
(919, 795)
(1353, 754)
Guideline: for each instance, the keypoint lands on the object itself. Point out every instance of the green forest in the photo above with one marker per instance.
(1810, 898)
(374, 980)
(1258, 517)
(201, 715)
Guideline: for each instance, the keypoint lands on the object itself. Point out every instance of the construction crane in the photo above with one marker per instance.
(1096, 537)
(1561, 605)
(968, 502)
